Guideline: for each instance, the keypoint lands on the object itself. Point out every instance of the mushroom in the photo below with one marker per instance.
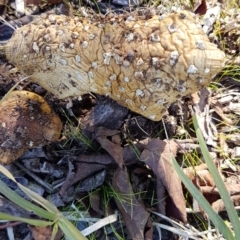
(145, 63)
(26, 121)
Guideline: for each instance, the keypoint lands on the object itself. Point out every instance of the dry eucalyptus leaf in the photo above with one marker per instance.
(219, 205)
(114, 149)
(158, 156)
(200, 7)
(143, 61)
(83, 171)
(106, 113)
(134, 215)
(219, 109)
(202, 178)
(233, 189)
(91, 183)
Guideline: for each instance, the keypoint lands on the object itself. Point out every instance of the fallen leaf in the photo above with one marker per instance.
(149, 230)
(83, 171)
(115, 150)
(200, 7)
(191, 170)
(95, 202)
(218, 108)
(219, 205)
(161, 196)
(202, 177)
(232, 189)
(134, 215)
(106, 113)
(102, 131)
(69, 179)
(158, 156)
(132, 153)
(103, 159)
(91, 183)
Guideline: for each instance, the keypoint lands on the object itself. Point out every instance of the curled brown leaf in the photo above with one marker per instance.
(158, 156)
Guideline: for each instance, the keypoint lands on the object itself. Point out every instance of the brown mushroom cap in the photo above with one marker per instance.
(26, 121)
(143, 63)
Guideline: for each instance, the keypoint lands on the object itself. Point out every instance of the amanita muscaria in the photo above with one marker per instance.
(26, 121)
(143, 62)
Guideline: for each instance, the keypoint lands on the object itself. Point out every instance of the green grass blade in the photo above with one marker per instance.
(34, 196)
(217, 221)
(38, 199)
(34, 222)
(10, 194)
(70, 230)
(232, 213)
(54, 230)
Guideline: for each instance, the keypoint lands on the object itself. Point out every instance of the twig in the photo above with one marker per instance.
(103, 222)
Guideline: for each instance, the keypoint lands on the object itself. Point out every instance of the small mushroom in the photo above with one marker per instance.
(166, 58)
(26, 121)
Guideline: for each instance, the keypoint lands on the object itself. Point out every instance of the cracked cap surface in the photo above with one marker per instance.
(145, 63)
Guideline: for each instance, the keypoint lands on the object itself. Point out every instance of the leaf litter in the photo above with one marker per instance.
(121, 139)
(133, 213)
(158, 156)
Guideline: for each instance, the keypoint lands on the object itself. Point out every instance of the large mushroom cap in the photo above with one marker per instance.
(143, 62)
(26, 121)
